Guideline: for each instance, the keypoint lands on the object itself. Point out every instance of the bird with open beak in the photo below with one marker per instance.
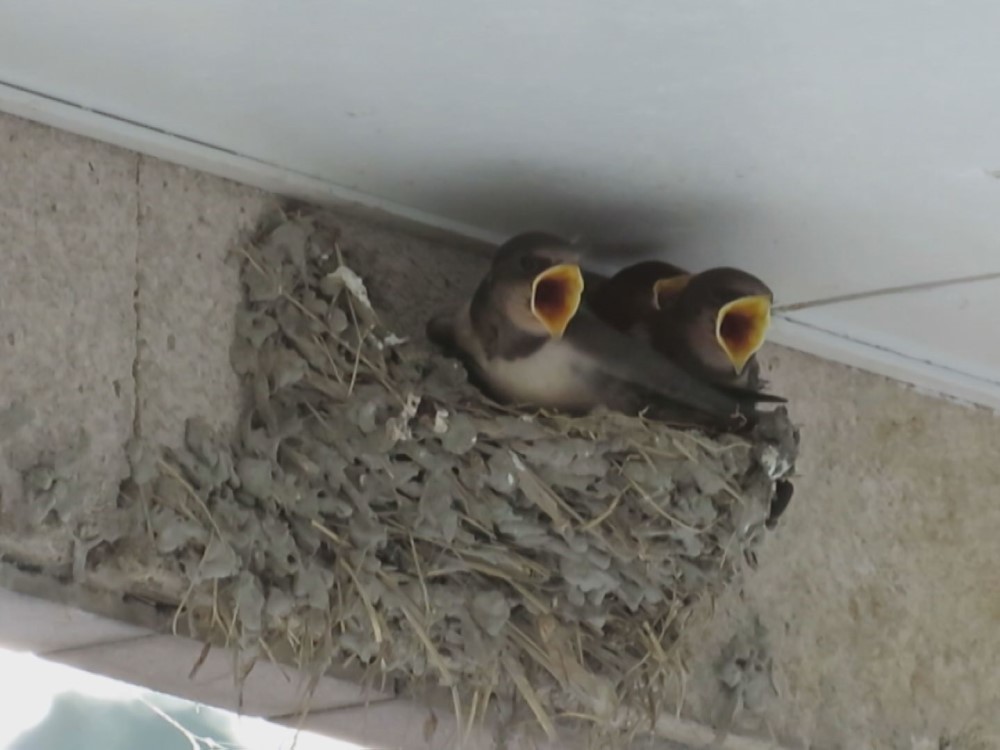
(711, 323)
(527, 340)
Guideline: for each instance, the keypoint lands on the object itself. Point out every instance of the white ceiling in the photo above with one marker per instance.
(831, 147)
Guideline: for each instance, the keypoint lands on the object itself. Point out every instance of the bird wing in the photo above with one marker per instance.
(634, 362)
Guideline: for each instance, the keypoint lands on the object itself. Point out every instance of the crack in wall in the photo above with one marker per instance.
(137, 302)
(886, 291)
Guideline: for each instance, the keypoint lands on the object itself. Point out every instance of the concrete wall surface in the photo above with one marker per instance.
(879, 592)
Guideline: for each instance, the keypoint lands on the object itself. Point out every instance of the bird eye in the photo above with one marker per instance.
(533, 264)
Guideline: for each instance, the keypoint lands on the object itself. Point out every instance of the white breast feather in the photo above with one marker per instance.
(552, 377)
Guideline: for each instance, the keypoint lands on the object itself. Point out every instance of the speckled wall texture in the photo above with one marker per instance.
(879, 591)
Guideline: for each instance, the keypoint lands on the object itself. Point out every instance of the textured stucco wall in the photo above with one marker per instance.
(880, 589)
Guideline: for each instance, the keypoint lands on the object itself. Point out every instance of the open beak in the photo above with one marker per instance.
(666, 289)
(555, 297)
(741, 327)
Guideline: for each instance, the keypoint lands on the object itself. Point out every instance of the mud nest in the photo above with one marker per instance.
(376, 510)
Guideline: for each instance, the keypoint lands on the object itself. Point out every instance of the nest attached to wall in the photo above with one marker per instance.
(375, 509)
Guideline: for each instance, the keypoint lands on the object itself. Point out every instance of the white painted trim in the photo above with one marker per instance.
(926, 376)
(215, 160)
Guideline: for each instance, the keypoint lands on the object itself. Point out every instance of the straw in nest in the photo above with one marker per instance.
(376, 510)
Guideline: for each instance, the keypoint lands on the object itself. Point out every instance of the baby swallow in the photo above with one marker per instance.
(526, 339)
(626, 299)
(711, 323)
(715, 325)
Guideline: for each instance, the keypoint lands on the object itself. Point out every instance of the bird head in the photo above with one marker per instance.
(540, 282)
(737, 305)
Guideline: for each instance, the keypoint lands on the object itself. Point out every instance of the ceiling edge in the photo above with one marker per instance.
(65, 115)
(925, 376)
(220, 161)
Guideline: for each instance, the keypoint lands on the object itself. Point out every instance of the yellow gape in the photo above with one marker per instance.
(665, 290)
(555, 297)
(741, 327)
